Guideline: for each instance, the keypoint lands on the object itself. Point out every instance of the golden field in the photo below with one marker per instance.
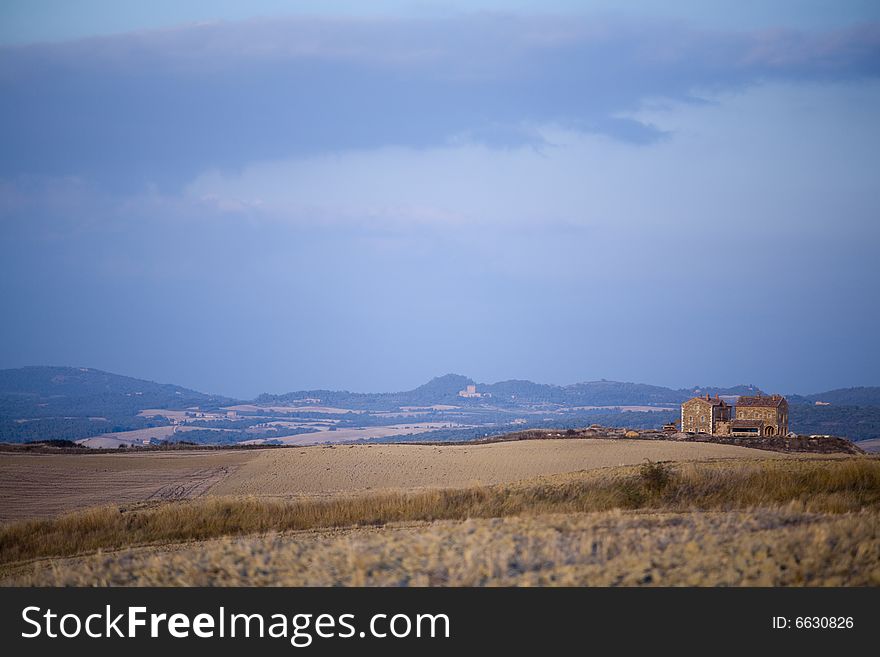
(45, 485)
(736, 521)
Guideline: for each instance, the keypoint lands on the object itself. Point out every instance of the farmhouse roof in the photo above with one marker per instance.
(773, 401)
(711, 401)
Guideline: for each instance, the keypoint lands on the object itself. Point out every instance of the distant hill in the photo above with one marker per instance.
(438, 390)
(69, 403)
(850, 412)
(518, 389)
(854, 413)
(853, 422)
(591, 393)
(607, 393)
(863, 396)
(612, 393)
(444, 390)
(57, 391)
(740, 390)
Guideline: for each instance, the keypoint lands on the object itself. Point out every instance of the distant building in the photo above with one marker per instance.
(758, 415)
(470, 392)
(770, 414)
(702, 414)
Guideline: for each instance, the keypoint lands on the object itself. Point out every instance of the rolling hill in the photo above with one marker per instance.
(69, 403)
(39, 403)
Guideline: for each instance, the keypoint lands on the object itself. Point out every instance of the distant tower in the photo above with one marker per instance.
(469, 391)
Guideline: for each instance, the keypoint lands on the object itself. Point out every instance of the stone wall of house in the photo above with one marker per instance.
(772, 416)
(722, 428)
(783, 419)
(696, 416)
(767, 414)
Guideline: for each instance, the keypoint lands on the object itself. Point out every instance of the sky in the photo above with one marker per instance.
(275, 196)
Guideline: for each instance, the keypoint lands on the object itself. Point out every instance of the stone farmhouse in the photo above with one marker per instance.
(760, 415)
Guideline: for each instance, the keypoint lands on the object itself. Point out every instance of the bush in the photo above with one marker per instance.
(656, 476)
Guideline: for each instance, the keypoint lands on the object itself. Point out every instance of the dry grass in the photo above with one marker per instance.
(767, 547)
(814, 485)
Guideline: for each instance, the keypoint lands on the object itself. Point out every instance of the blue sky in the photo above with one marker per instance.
(26, 21)
(278, 196)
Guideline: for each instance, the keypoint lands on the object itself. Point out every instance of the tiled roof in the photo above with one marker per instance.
(772, 401)
(712, 401)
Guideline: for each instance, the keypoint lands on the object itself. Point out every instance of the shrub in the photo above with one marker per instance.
(656, 476)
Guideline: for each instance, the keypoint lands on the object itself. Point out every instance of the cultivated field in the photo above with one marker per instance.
(44, 485)
(325, 435)
(127, 438)
(354, 468)
(811, 521)
(536, 512)
(138, 437)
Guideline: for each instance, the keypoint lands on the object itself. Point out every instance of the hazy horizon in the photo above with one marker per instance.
(290, 196)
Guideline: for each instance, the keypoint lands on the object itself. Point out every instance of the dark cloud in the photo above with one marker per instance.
(161, 106)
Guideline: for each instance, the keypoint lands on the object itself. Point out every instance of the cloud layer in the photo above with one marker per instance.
(364, 203)
(162, 106)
